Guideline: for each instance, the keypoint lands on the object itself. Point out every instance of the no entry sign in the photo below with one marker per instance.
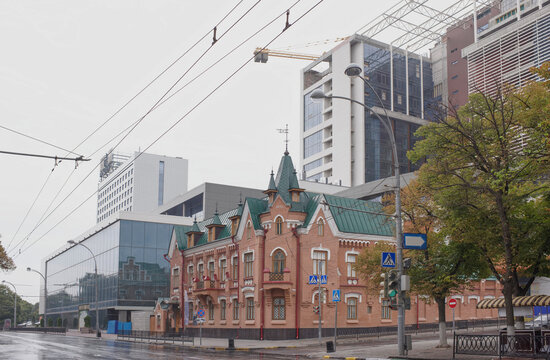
(452, 303)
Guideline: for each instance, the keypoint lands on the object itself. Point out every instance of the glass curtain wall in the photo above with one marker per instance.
(131, 268)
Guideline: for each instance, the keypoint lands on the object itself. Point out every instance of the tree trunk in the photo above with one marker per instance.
(442, 323)
(508, 279)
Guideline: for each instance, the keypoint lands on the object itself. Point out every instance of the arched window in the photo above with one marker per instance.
(278, 261)
(321, 227)
(248, 230)
(279, 226)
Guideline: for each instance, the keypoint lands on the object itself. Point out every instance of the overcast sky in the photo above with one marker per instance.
(67, 66)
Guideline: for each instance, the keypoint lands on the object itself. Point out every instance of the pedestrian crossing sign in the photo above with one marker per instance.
(388, 259)
(336, 295)
(312, 279)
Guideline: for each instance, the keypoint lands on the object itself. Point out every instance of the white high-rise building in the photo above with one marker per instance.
(343, 144)
(139, 183)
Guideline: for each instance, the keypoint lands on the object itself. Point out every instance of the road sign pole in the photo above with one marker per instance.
(335, 323)
(453, 321)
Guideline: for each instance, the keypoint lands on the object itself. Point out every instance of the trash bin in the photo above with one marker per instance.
(330, 346)
(230, 344)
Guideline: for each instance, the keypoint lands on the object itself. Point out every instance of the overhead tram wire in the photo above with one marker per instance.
(134, 125)
(28, 211)
(196, 77)
(288, 25)
(122, 108)
(26, 238)
(160, 74)
(40, 141)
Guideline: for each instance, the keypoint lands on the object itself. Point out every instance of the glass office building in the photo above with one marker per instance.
(341, 142)
(132, 271)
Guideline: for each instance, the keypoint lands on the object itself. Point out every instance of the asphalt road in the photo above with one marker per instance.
(31, 346)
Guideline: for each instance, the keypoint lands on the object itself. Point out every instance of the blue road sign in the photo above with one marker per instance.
(323, 279)
(200, 313)
(313, 280)
(415, 241)
(336, 295)
(388, 259)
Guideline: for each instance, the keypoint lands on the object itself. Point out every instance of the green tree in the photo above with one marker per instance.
(6, 262)
(25, 310)
(484, 166)
(441, 270)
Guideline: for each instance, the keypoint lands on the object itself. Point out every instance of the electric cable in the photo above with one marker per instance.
(288, 25)
(134, 125)
(39, 140)
(120, 109)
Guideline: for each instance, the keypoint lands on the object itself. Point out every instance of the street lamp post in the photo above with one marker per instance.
(98, 334)
(14, 303)
(354, 70)
(45, 294)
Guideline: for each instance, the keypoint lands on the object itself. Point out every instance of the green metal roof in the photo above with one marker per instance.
(256, 207)
(181, 235)
(272, 185)
(286, 178)
(351, 217)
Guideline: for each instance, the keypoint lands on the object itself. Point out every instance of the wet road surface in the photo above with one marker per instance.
(31, 346)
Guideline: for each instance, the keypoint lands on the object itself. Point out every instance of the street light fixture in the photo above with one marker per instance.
(45, 294)
(98, 334)
(355, 70)
(14, 303)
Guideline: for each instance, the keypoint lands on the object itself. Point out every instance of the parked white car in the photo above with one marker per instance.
(540, 321)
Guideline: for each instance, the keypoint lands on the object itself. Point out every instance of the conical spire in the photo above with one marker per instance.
(272, 185)
(293, 182)
(195, 227)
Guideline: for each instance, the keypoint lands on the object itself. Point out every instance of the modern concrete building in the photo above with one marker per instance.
(132, 271)
(515, 40)
(343, 144)
(204, 200)
(139, 183)
(450, 69)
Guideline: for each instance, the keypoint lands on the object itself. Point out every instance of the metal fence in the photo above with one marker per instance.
(54, 330)
(469, 325)
(155, 337)
(526, 345)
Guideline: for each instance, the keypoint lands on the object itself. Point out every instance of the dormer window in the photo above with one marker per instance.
(279, 226)
(189, 241)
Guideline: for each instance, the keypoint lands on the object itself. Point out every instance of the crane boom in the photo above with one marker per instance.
(262, 55)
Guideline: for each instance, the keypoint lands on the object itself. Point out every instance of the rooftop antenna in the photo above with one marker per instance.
(285, 131)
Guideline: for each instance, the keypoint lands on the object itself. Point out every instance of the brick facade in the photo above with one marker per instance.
(254, 282)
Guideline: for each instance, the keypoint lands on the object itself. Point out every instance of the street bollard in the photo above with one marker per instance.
(231, 344)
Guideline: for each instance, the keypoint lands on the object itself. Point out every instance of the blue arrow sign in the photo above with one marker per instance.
(323, 279)
(336, 295)
(313, 280)
(415, 241)
(388, 259)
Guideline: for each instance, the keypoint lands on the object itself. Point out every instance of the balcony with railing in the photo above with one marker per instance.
(280, 280)
(208, 287)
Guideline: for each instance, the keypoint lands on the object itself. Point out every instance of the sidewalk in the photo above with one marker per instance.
(371, 348)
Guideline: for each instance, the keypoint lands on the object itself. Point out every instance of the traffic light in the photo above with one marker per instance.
(393, 284)
(384, 285)
(316, 309)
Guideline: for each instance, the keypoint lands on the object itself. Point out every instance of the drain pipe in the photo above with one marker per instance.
(262, 296)
(297, 307)
(182, 292)
(238, 272)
